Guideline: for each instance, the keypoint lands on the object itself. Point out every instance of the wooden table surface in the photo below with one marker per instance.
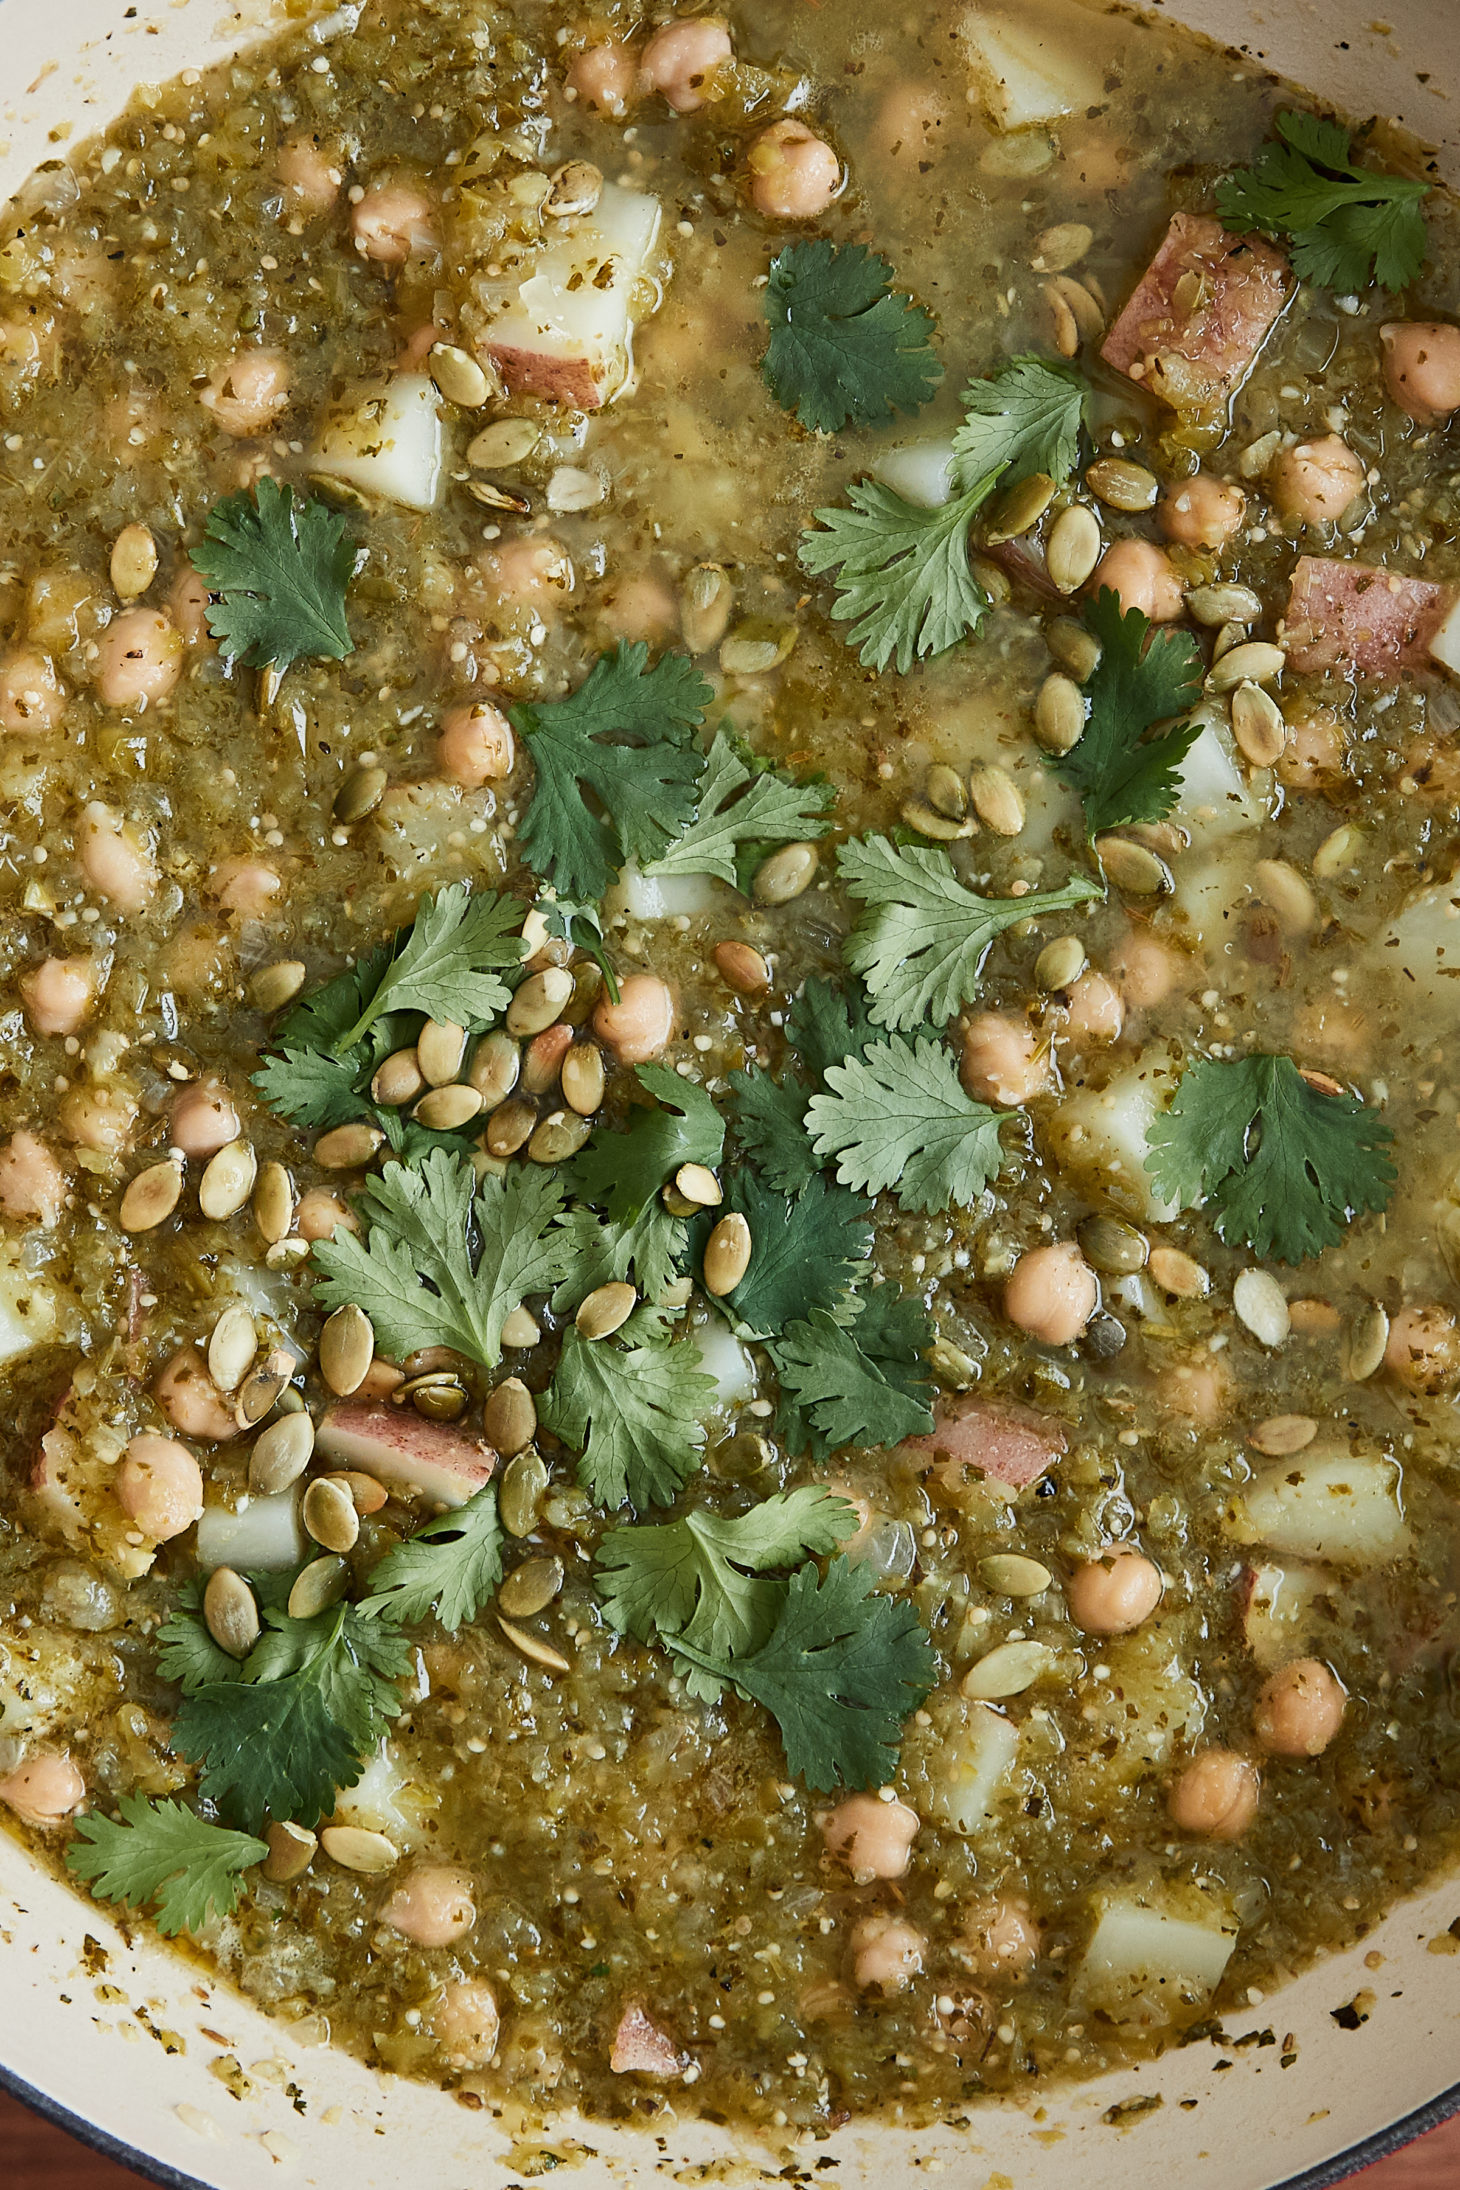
(33, 2156)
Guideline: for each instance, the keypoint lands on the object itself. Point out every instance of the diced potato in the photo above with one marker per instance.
(32, 1310)
(385, 1800)
(969, 1774)
(559, 321)
(1028, 70)
(724, 1358)
(665, 896)
(387, 440)
(1099, 1133)
(920, 471)
(265, 1534)
(1214, 798)
(1150, 1967)
(1445, 645)
(1339, 1507)
(1422, 947)
(1282, 1610)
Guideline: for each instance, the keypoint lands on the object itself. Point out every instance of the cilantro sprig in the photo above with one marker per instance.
(921, 945)
(627, 735)
(1281, 1166)
(862, 1383)
(804, 1252)
(278, 571)
(1144, 677)
(904, 584)
(1346, 225)
(634, 1408)
(729, 815)
(897, 1117)
(846, 348)
(449, 1567)
(161, 1856)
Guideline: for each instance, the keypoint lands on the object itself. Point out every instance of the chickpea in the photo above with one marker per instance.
(476, 745)
(639, 1026)
(59, 994)
(1314, 483)
(1142, 576)
(873, 1838)
(1201, 1390)
(191, 1400)
(45, 1790)
(1114, 1594)
(308, 174)
(886, 1954)
(1003, 1060)
(1315, 749)
(1202, 512)
(908, 125)
(1147, 970)
(1052, 1293)
(31, 694)
(680, 59)
(1300, 1709)
(393, 222)
(639, 606)
(466, 2023)
(432, 1905)
(32, 1183)
(160, 1487)
(247, 888)
(1000, 1938)
(321, 1214)
(203, 1119)
(1094, 1010)
(187, 604)
(113, 862)
(794, 174)
(98, 1118)
(140, 659)
(1216, 1795)
(604, 78)
(529, 573)
(1422, 368)
(1424, 1349)
(246, 393)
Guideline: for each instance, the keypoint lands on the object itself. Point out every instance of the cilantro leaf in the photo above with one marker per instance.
(323, 1019)
(903, 578)
(647, 788)
(827, 1025)
(1143, 677)
(186, 1652)
(708, 1578)
(581, 927)
(313, 1700)
(633, 1410)
(651, 1243)
(846, 348)
(921, 946)
(772, 811)
(898, 1118)
(1027, 418)
(418, 1275)
(621, 1172)
(860, 1385)
(450, 1566)
(159, 1855)
(311, 1088)
(1282, 1166)
(840, 1671)
(769, 1117)
(446, 963)
(279, 570)
(803, 1253)
(1348, 225)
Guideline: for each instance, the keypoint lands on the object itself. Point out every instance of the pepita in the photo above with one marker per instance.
(1080, 300)
(346, 1349)
(531, 1587)
(1007, 1670)
(524, 1482)
(273, 1202)
(230, 1612)
(743, 968)
(509, 1128)
(364, 1493)
(534, 1649)
(1282, 889)
(543, 1062)
(521, 1329)
(757, 646)
(152, 1197)
(697, 1183)
(1282, 1434)
(1365, 1342)
(292, 1849)
(1339, 852)
(1060, 247)
(1179, 1274)
(1260, 1304)
(260, 1389)
(328, 1513)
(1258, 725)
(1060, 963)
(440, 1400)
(997, 800)
(927, 820)
(398, 1080)
(1255, 661)
(228, 1181)
(496, 1064)
(1019, 508)
(232, 1346)
(356, 1848)
(322, 1583)
(505, 441)
(605, 1310)
(946, 792)
(560, 1136)
(1223, 604)
(785, 875)
(1073, 548)
(1122, 485)
(706, 600)
(539, 1001)
(509, 1418)
(133, 562)
(347, 1147)
(494, 497)
(447, 1109)
(274, 986)
(1059, 714)
(582, 1078)
(280, 1455)
(576, 188)
(727, 1255)
(1073, 647)
(1113, 1247)
(440, 1051)
(1012, 1575)
(1133, 867)
(359, 795)
(458, 376)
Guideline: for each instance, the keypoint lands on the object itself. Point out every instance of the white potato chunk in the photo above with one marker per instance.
(1150, 1967)
(724, 1358)
(1029, 70)
(1421, 949)
(558, 321)
(920, 471)
(1340, 1507)
(385, 1799)
(387, 440)
(1282, 1610)
(665, 896)
(1099, 1132)
(1445, 645)
(1215, 798)
(968, 1776)
(31, 1309)
(265, 1534)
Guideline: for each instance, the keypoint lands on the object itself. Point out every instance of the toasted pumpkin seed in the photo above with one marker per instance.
(440, 1051)
(576, 188)
(494, 497)
(1007, 1670)
(1258, 726)
(1059, 714)
(1224, 604)
(291, 1851)
(346, 1349)
(1365, 1342)
(1133, 867)
(1339, 852)
(505, 441)
(520, 1329)
(785, 875)
(133, 562)
(364, 1493)
(539, 1001)
(582, 1078)
(524, 1481)
(605, 1310)
(1122, 485)
(727, 1255)
(152, 1197)
(280, 1454)
(1281, 1434)
(322, 1583)
(274, 986)
(328, 1513)
(1113, 1247)
(458, 376)
(531, 1587)
(1019, 508)
(398, 1080)
(509, 1127)
(1282, 889)
(230, 1612)
(756, 646)
(997, 800)
(1060, 963)
(1073, 548)
(232, 1346)
(359, 795)
(561, 1134)
(1178, 1274)
(509, 1418)
(496, 1064)
(286, 1254)
(1073, 647)
(534, 1649)
(706, 599)
(927, 820)
(356, 1848)
(273, 1202)
(1012, 1575)
(347, 1147)
(228, 1181)
(697, 1183)
(1060, 247)
(1260, 1303)
(1255, 661)
(946, 791)
(445, 1109)
(443, 1399)
(261, 1388)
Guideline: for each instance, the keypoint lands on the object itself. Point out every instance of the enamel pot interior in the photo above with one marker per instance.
(136, 2049)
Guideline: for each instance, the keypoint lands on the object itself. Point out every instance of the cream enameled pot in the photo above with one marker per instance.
(137, 2050)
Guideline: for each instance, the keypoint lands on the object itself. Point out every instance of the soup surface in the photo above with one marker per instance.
(725, 1210)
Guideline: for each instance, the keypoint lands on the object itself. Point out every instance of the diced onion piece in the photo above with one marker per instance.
(1423, 946)
(384, 1799)
(976, 1760)
(387, 440)
(724, 1358)
(1445, 645)
(1214, 798)
(1028, 72)
(1279, 1614)
(920, 471)
(1336, 1507)
(1100, 1133)
(1150, 1968)
(559, 321)
(265, 1535)
(664, 896)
